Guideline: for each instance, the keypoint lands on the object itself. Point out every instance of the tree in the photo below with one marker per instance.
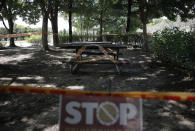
(45, 6)
(147, 10)
(70, 19)
(9, 10)
(54, 20)
(68, 8)
(121, 17)
(183, 8)
(103, 7)
(143, 12)
(129, 15)
(83, 18)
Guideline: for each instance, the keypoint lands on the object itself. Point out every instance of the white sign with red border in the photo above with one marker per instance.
(100, 113)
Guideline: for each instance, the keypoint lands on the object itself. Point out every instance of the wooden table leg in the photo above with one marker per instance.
(117, 54)
(74, 68)
(118, 68)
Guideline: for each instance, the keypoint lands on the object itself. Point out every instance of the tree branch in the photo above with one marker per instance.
(4, 23)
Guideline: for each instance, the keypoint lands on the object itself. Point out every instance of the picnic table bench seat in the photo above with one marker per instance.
(75, 63)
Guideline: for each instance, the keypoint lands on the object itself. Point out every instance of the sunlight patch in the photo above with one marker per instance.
(187, 78)
(187, 123)
(5, 103)
(15, 59)
(48, 85)
(6, 79)
(38, 78)
(141, 62)
(52, 128)
(136, 78)
(27, 120)
(75, 87)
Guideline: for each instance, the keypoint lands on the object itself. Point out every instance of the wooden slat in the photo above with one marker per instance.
(120, 62)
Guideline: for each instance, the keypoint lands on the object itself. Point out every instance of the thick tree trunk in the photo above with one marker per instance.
(54, 23)
(70, 20)
(45, 32)
(145, 37)
(129, 16)
(101, 26)
(11, 31)
(143, 16)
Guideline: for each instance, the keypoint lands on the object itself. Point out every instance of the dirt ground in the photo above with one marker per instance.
(32, 67)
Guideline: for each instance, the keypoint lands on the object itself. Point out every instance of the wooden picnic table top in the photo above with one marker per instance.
(91, 46)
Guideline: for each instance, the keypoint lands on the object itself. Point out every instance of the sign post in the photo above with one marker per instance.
(100, 113)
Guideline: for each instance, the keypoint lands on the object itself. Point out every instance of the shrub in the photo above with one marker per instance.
(174, 46)
(34, 39)
(63, 38)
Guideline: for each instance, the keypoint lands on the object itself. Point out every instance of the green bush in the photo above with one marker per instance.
(174, 46)
(63, 38)
(34, 39)
(131, 38)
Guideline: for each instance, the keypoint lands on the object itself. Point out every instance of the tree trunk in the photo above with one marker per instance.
(87, 33)
(70, 20)
(101, 26)
(11, 31)
(93, 35)
(81, 24)
(129, 16)
(44, 40)
(143, 16)
(145, 37)
(54, 23)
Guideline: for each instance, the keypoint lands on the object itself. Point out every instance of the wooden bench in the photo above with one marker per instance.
(75, 63)
(98, 52)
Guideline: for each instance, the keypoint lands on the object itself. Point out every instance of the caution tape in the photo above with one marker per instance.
(80, 51)
(19, 35)
(110, 57)
(24, 34)
(89, 60)
(107, 55)
(176, 96)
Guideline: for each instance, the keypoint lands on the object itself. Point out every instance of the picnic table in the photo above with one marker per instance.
(109, 54)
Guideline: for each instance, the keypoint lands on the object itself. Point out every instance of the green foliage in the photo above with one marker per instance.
(174, 46)
(30, 11)
(130, 38)
(34, 39)
(25, 29)
(183, 8)
(63, 38)
(3, 31)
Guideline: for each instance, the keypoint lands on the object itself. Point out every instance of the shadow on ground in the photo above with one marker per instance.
(32, 67)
